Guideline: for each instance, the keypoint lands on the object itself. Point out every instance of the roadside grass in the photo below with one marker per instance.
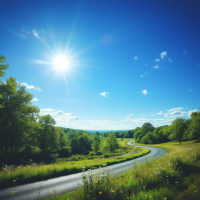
(124, 149)
(28, 174)
(173, 176)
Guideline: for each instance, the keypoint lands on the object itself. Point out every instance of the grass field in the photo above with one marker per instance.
(28, 174)
(174, 176)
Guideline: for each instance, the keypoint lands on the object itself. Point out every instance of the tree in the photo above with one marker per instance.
(3, 67)
(178, 127)
(130, 133)
(194, 126)
(2, 73)
(96, 143)
(14, 115)
(48, 136)
(111, 142)
(64, 143)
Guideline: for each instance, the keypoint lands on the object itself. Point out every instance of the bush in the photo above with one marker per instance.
(106, 155)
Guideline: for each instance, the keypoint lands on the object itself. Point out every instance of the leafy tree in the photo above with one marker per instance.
(64, 143)
(2, 66)
(111, 142)
(141, 132)
(194, 126)
(85, 143)
(96, 143)
(49, 138)
(178, 127)
(2, 73)
(130, 133)
(15, 114)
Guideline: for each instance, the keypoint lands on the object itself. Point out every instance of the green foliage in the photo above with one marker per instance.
(2, 66)
(16, 115)
(141, 132)
(178, 127)
(96, 143)
(194, 126)
(111, 142)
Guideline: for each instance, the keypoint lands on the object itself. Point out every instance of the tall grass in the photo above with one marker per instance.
(28, 174)
(174, 176)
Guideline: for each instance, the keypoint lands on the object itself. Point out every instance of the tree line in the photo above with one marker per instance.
(180, 130)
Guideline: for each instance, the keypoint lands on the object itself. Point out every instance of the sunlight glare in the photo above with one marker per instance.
(61, 63)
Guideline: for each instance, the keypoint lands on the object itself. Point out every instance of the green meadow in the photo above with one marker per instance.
(16, 175)
(173, 176)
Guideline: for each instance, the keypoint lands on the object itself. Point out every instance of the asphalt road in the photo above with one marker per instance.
(63, 184)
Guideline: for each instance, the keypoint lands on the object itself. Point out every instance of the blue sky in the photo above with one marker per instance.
(127, 62)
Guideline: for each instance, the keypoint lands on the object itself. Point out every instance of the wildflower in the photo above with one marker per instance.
(113, 191)
(14, 181)
(100, 192)
(13, 192)
(83, 170)
(100, 171)
(150, 196)
(127, 197)
(111, 169)
(96, 181)
(176, 182)
(165, 198)
(115, 172)
(145, 195)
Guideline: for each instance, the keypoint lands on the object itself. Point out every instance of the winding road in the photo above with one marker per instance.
(63, 184)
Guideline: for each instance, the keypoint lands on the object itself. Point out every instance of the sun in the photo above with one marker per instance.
(61, 62)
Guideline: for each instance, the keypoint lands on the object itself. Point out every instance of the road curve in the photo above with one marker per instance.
(63, 184)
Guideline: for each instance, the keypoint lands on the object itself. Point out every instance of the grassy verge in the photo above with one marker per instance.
(172, 177)
(28, 174)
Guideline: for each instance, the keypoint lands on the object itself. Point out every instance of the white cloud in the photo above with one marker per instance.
(163, 54)
(34, 99)
(170, 60)
(160, 113)
(140, 120)
(104, 94)
(190, 90)
(47, 110)
(155, 67)
(23, 36)
(144, 92)
(175, 109)
(184, 52)
(76, 118)
(30, 86)
(35, 33)
(191, 111)
(157, 60)
(135, 57)
(146, 65)
(146, 72)
(175, 112)
(129, 118)
(141, 76)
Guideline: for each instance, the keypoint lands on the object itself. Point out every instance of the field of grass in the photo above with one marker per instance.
(124, 149)
(176, 176)
(28, 174)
